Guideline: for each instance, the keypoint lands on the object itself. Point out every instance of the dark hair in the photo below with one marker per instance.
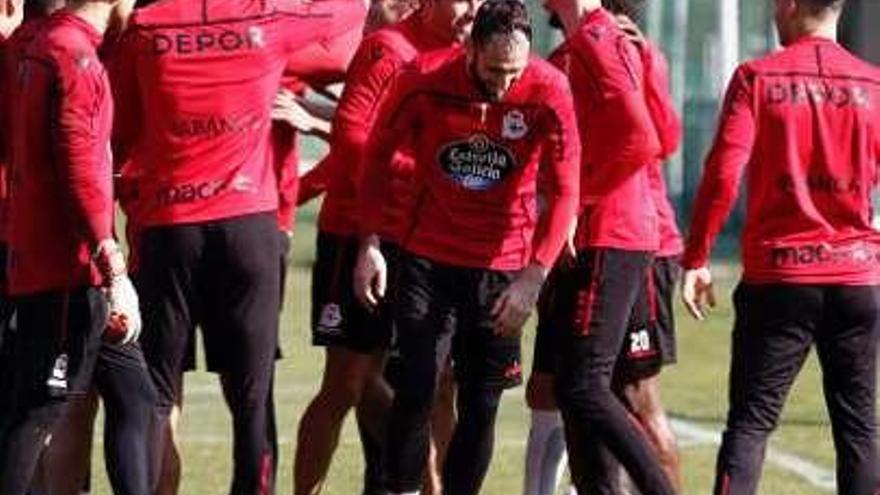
(501, 17)
(819, 6)
(628, 8)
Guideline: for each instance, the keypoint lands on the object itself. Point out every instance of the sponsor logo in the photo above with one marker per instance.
(243, 183)
(819, 93)
(513, 125)
(821, 183)
(226, 40)
(476, 163)
(188, 193)
(823, 254)
(210, 127)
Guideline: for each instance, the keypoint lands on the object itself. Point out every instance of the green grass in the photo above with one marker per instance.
(695, 389)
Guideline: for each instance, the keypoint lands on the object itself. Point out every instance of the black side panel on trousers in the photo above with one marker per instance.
(593, 323)
(775, 328)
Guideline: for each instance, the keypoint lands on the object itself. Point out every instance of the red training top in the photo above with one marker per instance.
(61, 201)
(805, 122)
(477, 164)
(667, 122)
(620, 140)
(380, 56)
(194, 82)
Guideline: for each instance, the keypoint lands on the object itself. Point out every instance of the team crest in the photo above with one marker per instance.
(513, 125)
(331, 317)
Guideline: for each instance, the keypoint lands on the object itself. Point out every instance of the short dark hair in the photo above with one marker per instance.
(626, 7)
(501, 17)
(819, 6)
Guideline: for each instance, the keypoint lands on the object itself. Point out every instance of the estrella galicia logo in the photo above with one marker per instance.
(476, 163)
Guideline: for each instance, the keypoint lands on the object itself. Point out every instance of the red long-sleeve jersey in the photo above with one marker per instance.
(4, 130)
(61, 201)
(318, 64)
(476, 165)
(620, 140)
(668, 124)
(380, 56)
(805, 123)
(11, 53)
(194, 82)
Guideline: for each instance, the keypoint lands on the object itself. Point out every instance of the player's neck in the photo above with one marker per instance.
(96, 14)
(827, 30)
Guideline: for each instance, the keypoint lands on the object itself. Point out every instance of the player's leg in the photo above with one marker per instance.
(169, 259)
(420, 306)
(172, 458)
(240, 285)
(372, 413)
(55, 350)
(643, 399)
(355, 341)
(346, 374)
(485, 365)
(847, 349)
(443, 423)
(545, 450)
(129, 400)
(772, 336)
(65, 462)
(588, 351)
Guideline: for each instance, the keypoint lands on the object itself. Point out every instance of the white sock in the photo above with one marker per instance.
(545, 453)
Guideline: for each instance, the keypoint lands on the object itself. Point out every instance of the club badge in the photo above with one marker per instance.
(513, 125)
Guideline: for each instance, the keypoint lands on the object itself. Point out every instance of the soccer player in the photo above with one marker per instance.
(805, 124)
(77, 311)
(196, 82)
(483, 125)
(11, 16)
(650, 340)
(355, 338)
(616, 238)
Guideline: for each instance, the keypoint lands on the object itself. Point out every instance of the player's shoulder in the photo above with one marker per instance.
(598, 35)
(546, 81)
(387, 43)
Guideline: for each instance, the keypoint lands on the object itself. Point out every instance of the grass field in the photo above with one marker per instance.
(694, 390)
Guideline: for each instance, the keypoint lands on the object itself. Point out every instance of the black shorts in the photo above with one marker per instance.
(190, 360)
(427, 294)
(338, 318)
(221, 276)
(650, 341)
(58, 346)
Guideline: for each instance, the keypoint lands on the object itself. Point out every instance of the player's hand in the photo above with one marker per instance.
(124, 324)
(697, 292)
(631, 29)
(515, 304)
(370, 274)
(286, 108)
(568, 257)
